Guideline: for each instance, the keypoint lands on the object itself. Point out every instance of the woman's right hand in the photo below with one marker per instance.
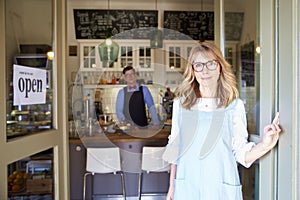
(170, 194)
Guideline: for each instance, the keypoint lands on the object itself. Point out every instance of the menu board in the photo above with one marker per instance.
(125, 24)
(197, 25)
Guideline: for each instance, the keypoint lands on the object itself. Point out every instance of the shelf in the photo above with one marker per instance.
(177, 70)
(103, 86)
(110, 86)
(100, 69)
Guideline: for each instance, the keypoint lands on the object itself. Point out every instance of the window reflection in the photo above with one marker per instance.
(31, 177)
(242, 35)
(28, 40)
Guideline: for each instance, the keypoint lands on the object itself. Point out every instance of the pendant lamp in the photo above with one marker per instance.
(109, 49)
(156, 36)
(156, 39)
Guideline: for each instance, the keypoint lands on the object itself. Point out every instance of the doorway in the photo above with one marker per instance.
(248, 25)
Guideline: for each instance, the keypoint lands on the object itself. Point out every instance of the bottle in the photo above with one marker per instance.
(90, 126)
(113, 79)
(109, 78)
(87, 108)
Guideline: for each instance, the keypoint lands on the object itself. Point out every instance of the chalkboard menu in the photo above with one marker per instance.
(125, 24)
(197, 25)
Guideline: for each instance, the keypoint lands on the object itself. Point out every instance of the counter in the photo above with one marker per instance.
(140, 135)
(130, 148)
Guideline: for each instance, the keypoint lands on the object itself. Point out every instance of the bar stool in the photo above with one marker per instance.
(103, 161)
(152, 162)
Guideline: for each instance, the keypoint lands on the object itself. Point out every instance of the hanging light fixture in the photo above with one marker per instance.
(156, 36)
(109, 49)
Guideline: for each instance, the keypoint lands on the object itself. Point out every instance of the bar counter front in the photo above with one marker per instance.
(131, 144)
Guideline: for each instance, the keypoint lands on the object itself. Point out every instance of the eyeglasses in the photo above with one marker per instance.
(210, 65)
(127, 75)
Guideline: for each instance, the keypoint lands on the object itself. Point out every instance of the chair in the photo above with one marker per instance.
(152, 162)
(103, 161)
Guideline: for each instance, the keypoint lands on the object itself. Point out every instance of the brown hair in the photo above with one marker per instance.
(189, 88)
(127, 68)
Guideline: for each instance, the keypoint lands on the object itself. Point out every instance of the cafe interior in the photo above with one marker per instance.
(65, 141)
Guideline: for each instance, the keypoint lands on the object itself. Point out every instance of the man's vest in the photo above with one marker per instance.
(134, 107)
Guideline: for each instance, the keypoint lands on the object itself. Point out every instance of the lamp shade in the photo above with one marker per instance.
(108, 50)
(156, 39)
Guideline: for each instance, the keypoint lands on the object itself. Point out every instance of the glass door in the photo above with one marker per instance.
(246, 30)
(34, 157)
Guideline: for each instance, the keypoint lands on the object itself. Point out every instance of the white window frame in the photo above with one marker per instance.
(184, 46)
(135, 44)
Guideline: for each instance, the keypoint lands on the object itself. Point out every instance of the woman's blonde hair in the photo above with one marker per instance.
(189, 88)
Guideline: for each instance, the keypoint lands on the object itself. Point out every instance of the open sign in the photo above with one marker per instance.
(29, 85)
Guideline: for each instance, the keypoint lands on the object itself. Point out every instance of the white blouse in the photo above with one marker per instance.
(240, 144)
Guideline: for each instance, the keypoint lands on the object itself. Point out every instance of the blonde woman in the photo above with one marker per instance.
(209, 131)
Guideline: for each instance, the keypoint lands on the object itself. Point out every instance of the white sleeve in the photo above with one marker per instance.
(175, 120)
(172, 149)
(240, 142)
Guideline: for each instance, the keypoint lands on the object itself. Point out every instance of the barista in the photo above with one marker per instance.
(132, 100)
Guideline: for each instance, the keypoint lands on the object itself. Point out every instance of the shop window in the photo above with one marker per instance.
(29, 67)
(31, 177)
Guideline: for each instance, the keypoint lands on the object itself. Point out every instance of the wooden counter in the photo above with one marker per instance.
(138, 135)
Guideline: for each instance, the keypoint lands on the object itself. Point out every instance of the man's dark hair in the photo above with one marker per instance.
(127, 68)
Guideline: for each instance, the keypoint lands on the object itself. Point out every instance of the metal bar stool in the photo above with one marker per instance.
(103, 161)
(152, 162)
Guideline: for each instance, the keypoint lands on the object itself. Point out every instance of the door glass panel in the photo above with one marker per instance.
(241, 42)
(31, 177)
(29, 39)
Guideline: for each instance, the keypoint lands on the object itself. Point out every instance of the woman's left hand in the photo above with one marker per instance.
(271, 133)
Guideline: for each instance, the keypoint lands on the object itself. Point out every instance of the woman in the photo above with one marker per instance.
(209, 133)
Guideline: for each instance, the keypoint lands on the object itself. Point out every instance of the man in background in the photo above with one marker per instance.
(132, 100)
